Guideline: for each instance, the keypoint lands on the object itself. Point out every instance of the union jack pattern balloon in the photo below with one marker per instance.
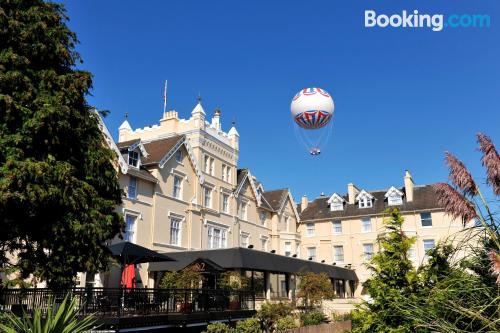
(312, 108)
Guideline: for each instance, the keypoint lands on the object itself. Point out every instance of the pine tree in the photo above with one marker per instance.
(392, 283)
(58, 185)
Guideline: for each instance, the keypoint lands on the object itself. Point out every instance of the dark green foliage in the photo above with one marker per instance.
(393, 282)
(58, 185)
(313, 317)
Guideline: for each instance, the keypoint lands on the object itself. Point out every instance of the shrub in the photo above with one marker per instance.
(269, 313)
(314, 288)
(60, 318)
(251, 325)
(312, 318)
(218, 328)
(285, 323)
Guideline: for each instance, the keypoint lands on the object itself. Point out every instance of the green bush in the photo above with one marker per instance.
(269, 313)
(251, 325)
(313, 317)
(285, 323)
(218, 328)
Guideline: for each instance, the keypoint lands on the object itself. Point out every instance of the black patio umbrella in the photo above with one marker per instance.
(130, 253)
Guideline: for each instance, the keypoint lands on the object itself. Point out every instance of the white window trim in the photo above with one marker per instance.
(138, 159)
(135, 189)
(362, 225)
(181, 227)
(264, 238)
(137, 216)
(212, 189)
(181, 190)
(242, 235)
(181, 153)
(313, 230)
(223, 228)
(333, 227)
(426, 226)
(243, 203)
(335, 254)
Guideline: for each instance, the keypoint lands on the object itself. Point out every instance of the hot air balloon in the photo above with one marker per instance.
(312, 112)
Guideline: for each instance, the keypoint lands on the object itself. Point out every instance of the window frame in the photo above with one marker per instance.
(363, 229)
(313, 249)
(285, 252)
(126, 236)
(210, 192)
(425, 219)
(225, 203)
(336, 255)
(335, 224)
(368, 255)
(133, 156)
(221, 237)
(310, 227)
(178, 220)
(179, 193)
(179, 155)
(132, 194)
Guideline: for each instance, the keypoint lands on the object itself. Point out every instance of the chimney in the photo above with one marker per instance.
(216, 119)
(408, 186)
(304, 202)
(352, 192)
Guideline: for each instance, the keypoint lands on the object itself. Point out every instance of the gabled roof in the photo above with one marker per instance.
(242, 176)
(275, 198)
(159, 148)
(392, 190)
(424, 198)
(335, 197)
(362, 194)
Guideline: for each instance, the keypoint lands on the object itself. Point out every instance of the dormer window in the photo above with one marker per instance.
(365, 199)
(394, 196)
(133, 158)
(365, 203)
(336, 202)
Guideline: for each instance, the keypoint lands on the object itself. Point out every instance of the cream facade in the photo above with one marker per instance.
(342, 229)
(183, 191)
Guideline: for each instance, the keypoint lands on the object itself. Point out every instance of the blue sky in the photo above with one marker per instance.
(403, 96)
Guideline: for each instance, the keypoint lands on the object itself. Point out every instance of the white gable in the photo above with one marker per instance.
(394, 196)
(363, 194)
(336, 202)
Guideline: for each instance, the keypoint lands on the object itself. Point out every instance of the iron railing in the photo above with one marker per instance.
(124, 302)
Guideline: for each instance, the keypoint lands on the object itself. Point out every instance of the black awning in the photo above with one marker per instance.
(249, 259)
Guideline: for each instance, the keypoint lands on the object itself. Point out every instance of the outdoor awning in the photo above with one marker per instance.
(249, 259)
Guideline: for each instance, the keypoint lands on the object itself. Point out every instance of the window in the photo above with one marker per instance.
(217, 237)
(367, 251)
(179, 155)
(338, 253)
(209, 165)
(226, 173)
(365, 202)
(394, 199)
(287, 223)
(428, 244)
(310, 229)
(426, 219)
(288, 249)
(207, 196)
(336, 205)
(311, 253)
(132, 188)
(412, 254)
(175, 231)
(263, 243)
(262, 216)
(337, 227)
(244, 210)
(225, 203)
(176, 193)
(244, 240)
(366, 225)
(133, 158)
(130, 221)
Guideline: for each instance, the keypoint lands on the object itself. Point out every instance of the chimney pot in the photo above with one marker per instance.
(409, 185)
(304, 202)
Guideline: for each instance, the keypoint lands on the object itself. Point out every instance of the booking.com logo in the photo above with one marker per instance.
(436, 22)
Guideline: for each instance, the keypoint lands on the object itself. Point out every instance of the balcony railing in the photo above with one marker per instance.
(124, 302)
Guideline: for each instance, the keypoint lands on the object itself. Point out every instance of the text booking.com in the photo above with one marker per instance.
(436, 22)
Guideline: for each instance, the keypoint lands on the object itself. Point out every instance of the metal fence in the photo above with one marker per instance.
(123, 302)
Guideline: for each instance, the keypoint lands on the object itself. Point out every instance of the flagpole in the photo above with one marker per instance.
(165, 99)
